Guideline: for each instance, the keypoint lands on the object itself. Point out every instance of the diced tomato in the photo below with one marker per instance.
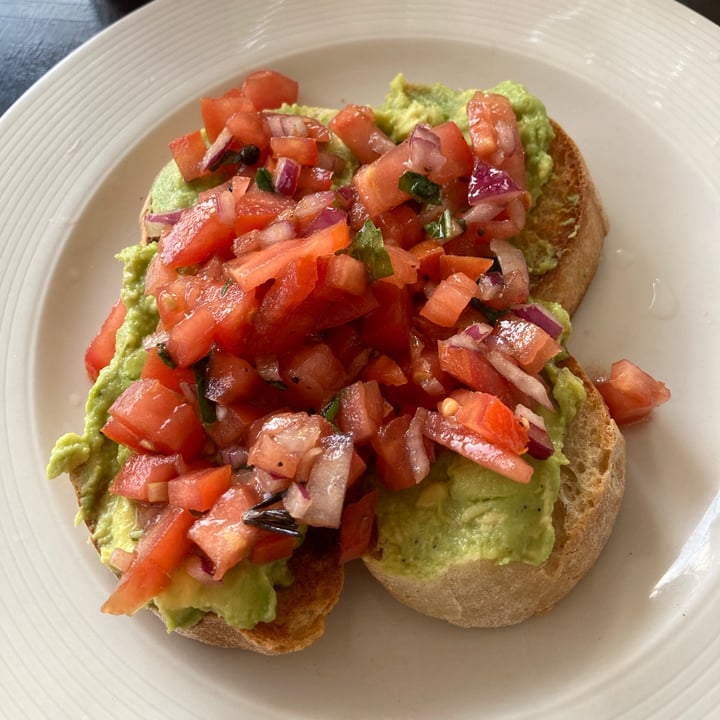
(402, 458)
(271, 546)
(427, 371)
(233, 310)
(158, 275)
(257, 267)
(230, 378)
(143, 469)
(377, 183)
(385, 371)
(156, 368)
(198, 234)
(457, 153)
(528, 343)
(471, 266)
(101, 349)
(161, 549)
(405, 267)
(160, 419)
(256, 209)
(490, 418)
(495, 135)
(388, 328)
(400, 226)
(428, 254)
(362, 411)
(314, 179)
(630, 393)
(346, 273)
(456, 437)
(280, 441)
(188, 152)
(292, 285)
(191, 339)
(248, 128)
(235, 424)
(449, 299)
(356, 529)
(200, 489)
(303, 150)
(269, 89)
(178, 299)
(355, 126)
(215, 111)
(475, 371)
(222, 534)
(313, 375)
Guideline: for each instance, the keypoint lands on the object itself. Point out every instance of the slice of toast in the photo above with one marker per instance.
(485, 594)
(570, 216)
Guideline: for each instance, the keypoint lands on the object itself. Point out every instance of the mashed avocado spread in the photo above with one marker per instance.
(459, 511)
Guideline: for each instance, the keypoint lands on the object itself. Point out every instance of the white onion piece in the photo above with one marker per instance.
(379, 142)
(281, 125)
(268, 368)
(415, 444)
(310, 206)
(121, 559)
(225, 205)
(276, 232)
(297, 500)
(326, 485)
(526, 383)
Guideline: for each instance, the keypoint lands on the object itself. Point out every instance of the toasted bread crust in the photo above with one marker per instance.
(570, 216)
(484, 594)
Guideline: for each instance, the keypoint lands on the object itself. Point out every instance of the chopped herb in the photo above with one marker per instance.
(278, 520)
(446, 227)
(279, 384)
(206, 406)
(164, 355)
(135, 534)
(420, 187)
(369, 247)
(263, 179)
(226, 287)
(330, 411)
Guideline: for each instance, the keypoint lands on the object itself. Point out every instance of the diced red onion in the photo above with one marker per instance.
(282, 125)
(330, 161)
(286, 175)
(478, 331)
(310, 206)
(425, 154)
(165, 218)
(297, 500)
(328, 216)
(514, 269)
(379, 142)
(540, 316)
(540, 445)
(527, 384)
(201, 569)
(276, 232)
(235, 455)
(488, 182)
(344, 197)
(214, 153)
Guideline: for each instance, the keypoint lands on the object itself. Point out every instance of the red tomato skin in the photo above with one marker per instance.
(313, 375)
(268, 89)
(101, 349)
(155, 368)
(221, 534)
(362, 410)
(248, 128)
(272, 546)
(256, 208)
(141, 469)
(377, 183)
(357, 525)
(191, 339)
(161, 418)
(215, 111)
(449, 300)
(303, 150)
(199, 490)
(196, 236)
(230, 378)
(392, 459)
(161, 549)
(630, 393)
(387, 328)
(188, 152)
(355, 125)
(458, 154)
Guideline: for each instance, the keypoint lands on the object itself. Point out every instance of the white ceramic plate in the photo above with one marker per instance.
(638, 85)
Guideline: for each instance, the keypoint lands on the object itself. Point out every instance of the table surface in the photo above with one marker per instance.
(37, 34)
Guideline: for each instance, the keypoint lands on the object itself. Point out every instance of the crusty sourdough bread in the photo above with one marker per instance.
(570, 216)
(484, 594)
(301, 608)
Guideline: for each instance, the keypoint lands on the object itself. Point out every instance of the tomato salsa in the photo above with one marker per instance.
(311, 342)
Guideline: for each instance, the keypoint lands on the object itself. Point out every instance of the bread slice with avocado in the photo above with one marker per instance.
(478, 592)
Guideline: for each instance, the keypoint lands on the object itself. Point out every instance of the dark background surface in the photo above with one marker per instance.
(37, 34)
